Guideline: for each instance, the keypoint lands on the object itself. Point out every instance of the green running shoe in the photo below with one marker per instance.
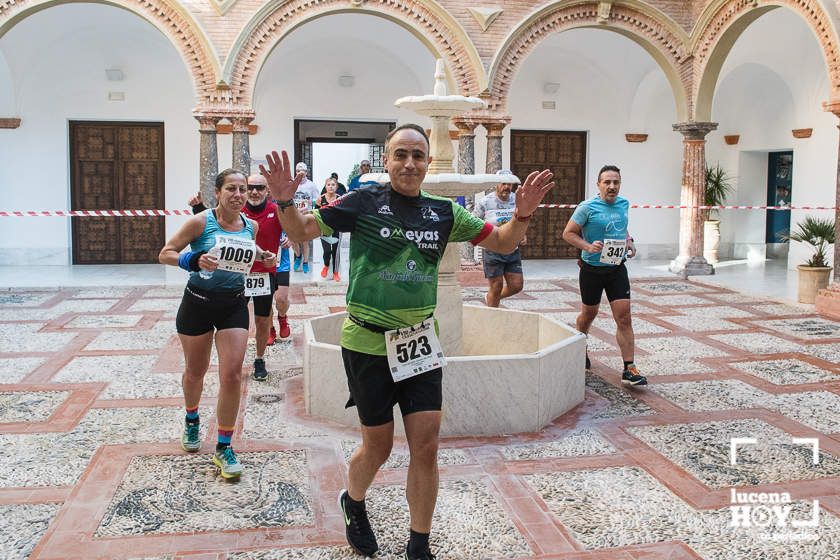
(191, 440)
(226, 460)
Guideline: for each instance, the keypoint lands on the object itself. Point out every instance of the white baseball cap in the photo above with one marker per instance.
(301, 166)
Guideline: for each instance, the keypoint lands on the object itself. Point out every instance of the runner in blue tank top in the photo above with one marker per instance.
(221, 240)
(598, 228)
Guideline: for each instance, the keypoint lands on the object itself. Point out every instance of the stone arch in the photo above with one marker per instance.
(724, 21)
(426, 20)
(653, 31)
(167, 17)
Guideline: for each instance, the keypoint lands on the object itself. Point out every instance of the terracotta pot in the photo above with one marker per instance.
(711, 240)
(802, 132)
(731, 139)
(812, 279)
(636, 137)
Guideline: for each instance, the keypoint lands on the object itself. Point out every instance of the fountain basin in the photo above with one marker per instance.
(517, 372)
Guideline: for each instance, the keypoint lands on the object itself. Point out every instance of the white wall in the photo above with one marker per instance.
(58, 75)
(300, 77)
(610, 86)
(766, 89)
(341, 158)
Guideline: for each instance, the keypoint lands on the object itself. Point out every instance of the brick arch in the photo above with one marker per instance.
(426, 20)
(656, 33)
(166, 16)
(724, 21)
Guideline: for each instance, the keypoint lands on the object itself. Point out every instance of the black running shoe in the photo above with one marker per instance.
(360, 536)
(425, 555)
(260, 373)
(631, 376)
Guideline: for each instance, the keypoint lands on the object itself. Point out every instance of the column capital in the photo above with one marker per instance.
(832, 106)
(695, 130)
(207, 123)
(465, 126)
(241, 122)
(495, 126)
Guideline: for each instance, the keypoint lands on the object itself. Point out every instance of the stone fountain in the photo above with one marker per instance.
(507, 371)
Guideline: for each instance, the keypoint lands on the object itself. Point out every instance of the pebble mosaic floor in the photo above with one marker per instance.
(91, 412)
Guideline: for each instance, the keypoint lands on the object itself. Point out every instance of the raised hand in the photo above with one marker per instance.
(281, 184)
(529, 195)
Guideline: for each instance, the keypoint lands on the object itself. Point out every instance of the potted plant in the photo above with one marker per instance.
(718, 187)
(814, 274)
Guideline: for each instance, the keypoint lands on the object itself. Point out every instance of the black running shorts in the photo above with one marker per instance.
(262, 304)
(594, 280)
(374, 392)
(201, 311)
(282, 278)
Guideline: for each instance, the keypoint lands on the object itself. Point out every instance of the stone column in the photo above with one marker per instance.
(827, 302)
(494, 146)
(208, 158)
(241, 147)
(690, 260)
(466, 146)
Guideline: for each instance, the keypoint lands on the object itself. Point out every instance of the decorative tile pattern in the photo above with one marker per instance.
(782, 309)
(22, 526)
(818, 409)
(678, 346)
(740, 299)
(620, 402)
(828, 352)
(669, 365)
(640, 326)
(670, 287)
(720, 312)
(103, 321)
(811, 328)
(30, 407)
(702, 449)
(264, 419)
(678, 301)
(757, 343)
(24, 337)
(701, 323)
(28, 299)
(698, 396)
(580, 442)
(156, 304)
(786, 372)
(185, 493)
(13, 370)
(152, 339)
(102, 292)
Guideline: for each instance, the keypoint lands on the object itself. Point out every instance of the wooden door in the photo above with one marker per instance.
(117, 166)
(564, 153)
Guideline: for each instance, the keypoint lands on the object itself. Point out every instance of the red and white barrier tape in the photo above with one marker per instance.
(138, 213)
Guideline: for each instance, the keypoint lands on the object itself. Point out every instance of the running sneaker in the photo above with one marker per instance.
(306, 268)
(285, 331)
(191, 440)
(272, 337)
(336, 277)
(360, 536)
(425, 555)
(226, 460)
(297, 263)
(260, 373)
(324, 271)
(631, 376)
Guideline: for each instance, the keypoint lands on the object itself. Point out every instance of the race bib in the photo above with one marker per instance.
(413, 350)
(613, 251)
(235, 254)
(257, 284)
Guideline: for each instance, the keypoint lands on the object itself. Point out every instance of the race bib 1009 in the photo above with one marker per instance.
(235, 254)
(613, 251)
(413, 350)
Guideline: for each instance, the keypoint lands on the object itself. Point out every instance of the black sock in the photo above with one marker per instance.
(626, 363)
(220, 446)
(418, 542)
(354, 504)
(192, 420)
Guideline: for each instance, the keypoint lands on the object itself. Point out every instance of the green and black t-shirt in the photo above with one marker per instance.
(396, 247)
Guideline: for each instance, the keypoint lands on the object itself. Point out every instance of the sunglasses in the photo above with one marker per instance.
(260, 188)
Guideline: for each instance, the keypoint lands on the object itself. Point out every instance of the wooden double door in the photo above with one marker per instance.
(564, 153)
(117, 166)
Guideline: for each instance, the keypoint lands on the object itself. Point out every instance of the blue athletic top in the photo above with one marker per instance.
(220, 280)
(598, 221)
(283, 259)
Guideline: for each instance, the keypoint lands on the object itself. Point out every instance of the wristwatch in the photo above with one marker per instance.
(283, 205)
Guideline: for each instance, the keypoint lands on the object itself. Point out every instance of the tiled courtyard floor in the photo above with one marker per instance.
(91, 412)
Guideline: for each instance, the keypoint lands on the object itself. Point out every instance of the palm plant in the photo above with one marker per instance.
(818, 233)
(718, 187)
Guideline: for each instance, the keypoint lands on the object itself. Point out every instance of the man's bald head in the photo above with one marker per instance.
(257, 196)
(256, 179)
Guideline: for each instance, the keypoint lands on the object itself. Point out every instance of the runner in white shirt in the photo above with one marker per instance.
(503, 272)
(305, 198)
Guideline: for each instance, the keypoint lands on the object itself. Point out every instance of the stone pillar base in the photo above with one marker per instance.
(827, 303)
(691, 266)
